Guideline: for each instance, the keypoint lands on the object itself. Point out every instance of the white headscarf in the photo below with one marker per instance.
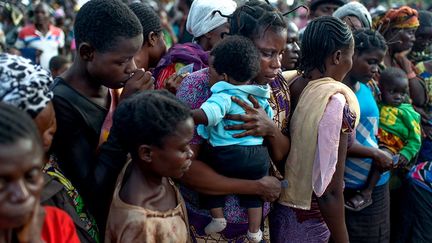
(201, 19)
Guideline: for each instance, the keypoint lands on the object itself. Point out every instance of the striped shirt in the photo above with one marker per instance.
(30, 37)
(357, 169)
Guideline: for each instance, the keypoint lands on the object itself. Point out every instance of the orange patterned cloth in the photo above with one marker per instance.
(390, 141)
(402, 18)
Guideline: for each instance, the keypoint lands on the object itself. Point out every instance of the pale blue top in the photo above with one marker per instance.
(220, 104)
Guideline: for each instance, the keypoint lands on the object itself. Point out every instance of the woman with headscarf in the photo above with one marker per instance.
(423, 61)
(27, 87)
(207, 26)
(355, 15)
(398, 26)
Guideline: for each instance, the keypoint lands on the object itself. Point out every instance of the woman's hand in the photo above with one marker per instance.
(140, 80)
(173, 82)
(256, 121)
(382, 160)
(269, 188)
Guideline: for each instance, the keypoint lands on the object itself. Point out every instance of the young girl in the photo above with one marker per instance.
(156, 129)
(235, 61)
(325, 112)
(22, 218)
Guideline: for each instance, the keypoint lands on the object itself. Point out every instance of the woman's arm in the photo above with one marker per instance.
(204, 179)
(257, 123)
(382, 160)
(331, 203)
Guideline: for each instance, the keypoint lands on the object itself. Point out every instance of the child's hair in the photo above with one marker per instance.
(254, 18)
(389, 74)
(149, 19)
(15, 124)
(148, 117)
(322, 37)
(102, 22)
(57, 62)
(368, 40)
(237, 57)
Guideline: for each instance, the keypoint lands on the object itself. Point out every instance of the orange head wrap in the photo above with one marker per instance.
(401, 18)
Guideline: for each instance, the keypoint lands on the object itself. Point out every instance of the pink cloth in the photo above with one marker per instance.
(326, 154)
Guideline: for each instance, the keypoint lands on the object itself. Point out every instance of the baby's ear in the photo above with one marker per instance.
(145, 153)
(86, 51)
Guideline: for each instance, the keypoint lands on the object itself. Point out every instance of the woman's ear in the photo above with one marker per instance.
(145, 153)
(152, 38)
(86, 51)
(337, 56)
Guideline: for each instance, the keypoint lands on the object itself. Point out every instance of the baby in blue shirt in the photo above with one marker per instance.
(233, 63)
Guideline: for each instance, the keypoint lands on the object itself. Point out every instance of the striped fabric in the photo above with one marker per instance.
(357, 169)
(30, 37)
(421, 175)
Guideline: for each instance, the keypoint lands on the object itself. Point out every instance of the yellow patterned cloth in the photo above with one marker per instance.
(401, 18)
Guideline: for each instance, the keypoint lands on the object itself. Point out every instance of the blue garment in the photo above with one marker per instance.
(357, 169)
(220, 104)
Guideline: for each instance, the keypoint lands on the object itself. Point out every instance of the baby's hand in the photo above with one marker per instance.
(402, 162)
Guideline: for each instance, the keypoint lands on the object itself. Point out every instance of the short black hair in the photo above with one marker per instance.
(366, 40)
(149, 19)
(237, 57)
(390, 74)
(16, 124)
(322, 37)
(148, 117)
(57, 62)
(102, 22)
(254, 18)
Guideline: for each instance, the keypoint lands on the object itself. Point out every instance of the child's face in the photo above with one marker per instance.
(21, 182)
(46, 123)
(395, 92)
(174, 157)
(365, 65)
(114, 67)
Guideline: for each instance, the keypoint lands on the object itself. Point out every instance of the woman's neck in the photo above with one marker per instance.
(204, 43)
(146, 175)
(351, 82)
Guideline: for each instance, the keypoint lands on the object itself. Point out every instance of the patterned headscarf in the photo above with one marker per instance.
(401, 18)
(24, 85)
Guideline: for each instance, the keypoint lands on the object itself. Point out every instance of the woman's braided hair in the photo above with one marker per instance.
(322, 37)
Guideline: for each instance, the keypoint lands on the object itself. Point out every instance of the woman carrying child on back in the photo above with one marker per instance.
(233, 63)
(156, 129)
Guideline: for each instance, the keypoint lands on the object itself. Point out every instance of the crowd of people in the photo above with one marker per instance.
(215, 121)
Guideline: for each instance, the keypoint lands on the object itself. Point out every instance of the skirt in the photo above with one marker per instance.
(372, 224)
(287, 226)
